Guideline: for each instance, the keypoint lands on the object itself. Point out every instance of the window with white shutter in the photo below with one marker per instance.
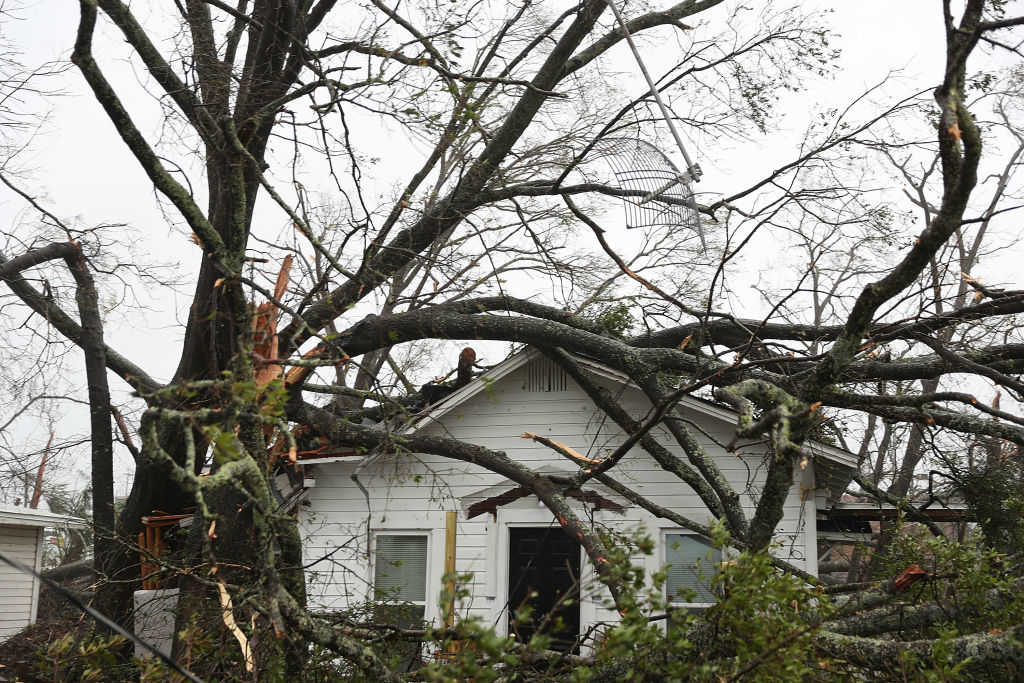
(400, 568)
(400, 588)
(692, 565)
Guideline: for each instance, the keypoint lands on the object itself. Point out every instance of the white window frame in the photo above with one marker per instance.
(663, 561)
(427, 603)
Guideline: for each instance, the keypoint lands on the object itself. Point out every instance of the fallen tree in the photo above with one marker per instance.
(408, 274)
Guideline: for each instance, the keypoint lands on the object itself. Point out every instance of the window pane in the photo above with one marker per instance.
(400, 568)
(693, 564)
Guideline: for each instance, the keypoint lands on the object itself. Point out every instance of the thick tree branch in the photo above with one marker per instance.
(195, 111)
(52, 313)
(959, 172)
(669, 17)
(912, 618)
(995, 656)
(135, 141)
(733, 332)
(931, 415)
(101, 438)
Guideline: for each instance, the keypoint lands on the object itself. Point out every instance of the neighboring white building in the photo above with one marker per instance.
(374, 524)
(22, 535)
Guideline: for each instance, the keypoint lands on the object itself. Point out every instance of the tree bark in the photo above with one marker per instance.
(993, 657)
(102, 440)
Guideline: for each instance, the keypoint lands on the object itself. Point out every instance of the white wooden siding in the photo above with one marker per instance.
(16, 587)
(410, 491)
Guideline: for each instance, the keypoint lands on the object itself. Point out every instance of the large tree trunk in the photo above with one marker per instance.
(102, 443)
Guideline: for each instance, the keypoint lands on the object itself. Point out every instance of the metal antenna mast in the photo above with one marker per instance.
(693, 171)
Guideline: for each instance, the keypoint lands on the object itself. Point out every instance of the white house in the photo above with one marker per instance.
(382, 524)
(22, 535)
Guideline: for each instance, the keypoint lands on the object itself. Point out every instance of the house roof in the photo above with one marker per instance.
(11, 515)
(839, 457)
(834, 467)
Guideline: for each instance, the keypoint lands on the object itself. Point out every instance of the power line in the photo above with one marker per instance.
(101, 618)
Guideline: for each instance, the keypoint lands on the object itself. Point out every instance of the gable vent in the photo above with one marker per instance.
(543, 375)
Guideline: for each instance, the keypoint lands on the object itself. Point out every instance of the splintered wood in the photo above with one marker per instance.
(265, 341)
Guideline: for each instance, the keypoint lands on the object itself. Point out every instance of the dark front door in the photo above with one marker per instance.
(544, 573)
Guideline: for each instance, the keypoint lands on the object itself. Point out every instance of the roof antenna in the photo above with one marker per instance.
(693, 171)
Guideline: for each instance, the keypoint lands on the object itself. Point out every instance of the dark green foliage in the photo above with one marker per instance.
(616, 319)
(78, 656)
(975, 586)
(761, 627)
(995, 494)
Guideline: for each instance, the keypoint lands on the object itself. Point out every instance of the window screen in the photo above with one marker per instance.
(400, 568)
(693, 563)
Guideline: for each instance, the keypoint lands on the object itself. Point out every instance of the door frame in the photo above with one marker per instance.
(529, 517)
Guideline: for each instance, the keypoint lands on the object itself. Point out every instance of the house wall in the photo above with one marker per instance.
(17, 589)
(410, 493)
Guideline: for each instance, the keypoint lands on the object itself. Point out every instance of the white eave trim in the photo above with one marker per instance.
(846, 536)
(17, 516)
(836, 455)
(852, 505)
(330, 458)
